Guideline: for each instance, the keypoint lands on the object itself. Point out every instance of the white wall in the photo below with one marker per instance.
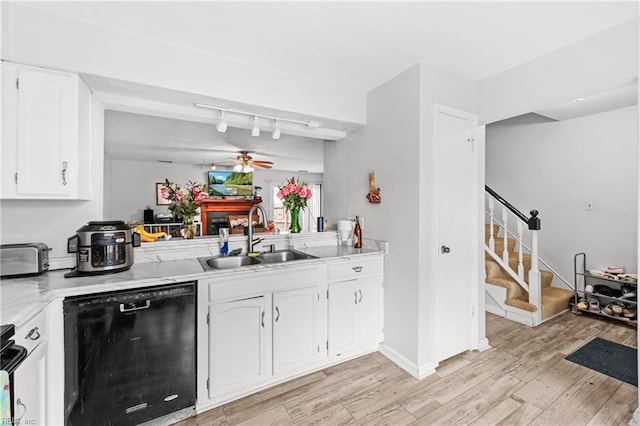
(131, 185)
(397, 144)
(81, 47)
(555, 167)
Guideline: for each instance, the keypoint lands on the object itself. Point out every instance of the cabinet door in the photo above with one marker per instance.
(295, 328)
(368, 328)
(237, 345)
(47, 133)
(45, 115)
(29, 388)
(343, 302)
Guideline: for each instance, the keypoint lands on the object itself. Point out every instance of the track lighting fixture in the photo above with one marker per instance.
(255, 131)
(276, 130)
(222, 124)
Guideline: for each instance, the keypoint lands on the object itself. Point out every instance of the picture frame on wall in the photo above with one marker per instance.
(159, 200)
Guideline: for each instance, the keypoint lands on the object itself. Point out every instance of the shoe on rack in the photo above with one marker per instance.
(582, 305)
(617, 308)
(607, 310)
(629, 311)
(594, 304)
(614, 269)
(628, 292)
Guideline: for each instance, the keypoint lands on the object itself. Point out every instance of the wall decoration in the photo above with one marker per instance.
(160, 201)
(374, 193)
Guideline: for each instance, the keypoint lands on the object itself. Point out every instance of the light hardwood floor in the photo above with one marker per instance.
(523, 379)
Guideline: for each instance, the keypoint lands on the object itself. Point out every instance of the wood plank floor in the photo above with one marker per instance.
(523, 379)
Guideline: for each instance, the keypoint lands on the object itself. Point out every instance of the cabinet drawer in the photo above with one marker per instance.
(354, 269)
(32, 333)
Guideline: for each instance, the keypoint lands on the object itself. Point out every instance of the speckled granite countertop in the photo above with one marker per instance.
(161, 263)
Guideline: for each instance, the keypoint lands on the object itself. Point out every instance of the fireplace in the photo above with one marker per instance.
(214, 212)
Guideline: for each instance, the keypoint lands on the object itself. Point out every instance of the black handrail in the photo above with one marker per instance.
(533, 222)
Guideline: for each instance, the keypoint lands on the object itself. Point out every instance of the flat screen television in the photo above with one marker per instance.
(230, 184)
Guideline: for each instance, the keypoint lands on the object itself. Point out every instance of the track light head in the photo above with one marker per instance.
(255, 131)
(222, 124)
(276, 131)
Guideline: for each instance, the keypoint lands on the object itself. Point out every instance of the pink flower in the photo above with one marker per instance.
(178, 196)
(280, 194)
(196, 190)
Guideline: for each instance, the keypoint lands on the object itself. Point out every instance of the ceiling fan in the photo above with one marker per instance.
(245, 163)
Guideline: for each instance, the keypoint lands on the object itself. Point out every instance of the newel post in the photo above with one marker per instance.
(535, 290)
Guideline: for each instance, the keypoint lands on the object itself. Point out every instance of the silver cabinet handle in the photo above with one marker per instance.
(277, 314)
(64, 172)
(262, 319)
(357, 268)
(21, 404)
(355, 294)
(33, 334)
(360, 300)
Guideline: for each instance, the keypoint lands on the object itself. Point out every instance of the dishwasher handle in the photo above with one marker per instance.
(135, 306)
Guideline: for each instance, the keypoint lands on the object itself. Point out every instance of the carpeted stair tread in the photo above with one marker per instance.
(554, 301)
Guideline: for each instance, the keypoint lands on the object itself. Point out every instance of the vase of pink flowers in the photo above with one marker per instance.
(185, 202)
(294, 196)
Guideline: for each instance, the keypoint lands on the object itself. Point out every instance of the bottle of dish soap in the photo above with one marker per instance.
(357, 234)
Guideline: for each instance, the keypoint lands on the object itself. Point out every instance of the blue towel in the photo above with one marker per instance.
(5, 396)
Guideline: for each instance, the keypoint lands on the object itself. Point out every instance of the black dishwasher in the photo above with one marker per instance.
(129, 355)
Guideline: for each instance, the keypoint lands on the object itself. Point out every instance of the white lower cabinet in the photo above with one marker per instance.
(295, 328)
(267, 327)
(354, 315)
(29, 379)
(263, 327)
(29, 393)
(238, 336)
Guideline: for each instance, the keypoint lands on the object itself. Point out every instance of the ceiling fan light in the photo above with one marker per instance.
(222, 124)
(255, 132)
(237, 168)
(247, 169)
(276, 131)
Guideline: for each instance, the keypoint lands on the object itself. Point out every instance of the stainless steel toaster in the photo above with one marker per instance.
(23, 259)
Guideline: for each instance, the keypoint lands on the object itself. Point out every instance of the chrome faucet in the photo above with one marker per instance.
(251, 242)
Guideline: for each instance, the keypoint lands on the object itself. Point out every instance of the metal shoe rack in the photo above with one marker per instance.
(599, 286)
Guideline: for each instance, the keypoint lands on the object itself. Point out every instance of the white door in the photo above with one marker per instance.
(295, 328)
(457, 213)
(343, 302)
(237, 345)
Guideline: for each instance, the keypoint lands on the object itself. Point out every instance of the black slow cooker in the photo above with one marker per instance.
(103, 247)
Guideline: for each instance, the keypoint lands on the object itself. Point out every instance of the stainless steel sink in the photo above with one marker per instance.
(227, 262)
(283, 256)
(230, 262)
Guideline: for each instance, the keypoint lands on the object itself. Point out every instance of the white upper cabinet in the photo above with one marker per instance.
(45, 134)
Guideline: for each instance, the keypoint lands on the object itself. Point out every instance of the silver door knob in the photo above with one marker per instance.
(445, 249)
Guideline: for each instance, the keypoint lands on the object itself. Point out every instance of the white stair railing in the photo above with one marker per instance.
(533, 225)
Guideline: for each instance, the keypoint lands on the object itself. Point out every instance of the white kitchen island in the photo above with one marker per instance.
(257, 325)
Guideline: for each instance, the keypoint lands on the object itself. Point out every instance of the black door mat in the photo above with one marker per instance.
(610, 358)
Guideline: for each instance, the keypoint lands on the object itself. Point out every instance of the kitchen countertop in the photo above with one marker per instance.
(22, 298)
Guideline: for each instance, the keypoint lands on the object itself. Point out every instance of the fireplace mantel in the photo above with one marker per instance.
(225, 205)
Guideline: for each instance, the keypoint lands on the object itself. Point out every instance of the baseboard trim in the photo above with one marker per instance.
(417, 371)
(495, 310)
(483, 345)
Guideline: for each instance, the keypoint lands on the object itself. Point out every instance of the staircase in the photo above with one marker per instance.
(515, 288)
